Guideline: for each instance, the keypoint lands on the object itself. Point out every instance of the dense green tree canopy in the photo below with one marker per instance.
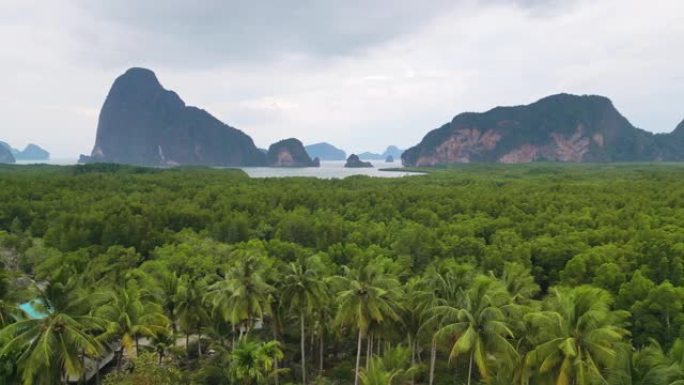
(531, 274)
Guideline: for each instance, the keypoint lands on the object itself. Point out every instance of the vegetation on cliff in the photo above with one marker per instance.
(563, 128)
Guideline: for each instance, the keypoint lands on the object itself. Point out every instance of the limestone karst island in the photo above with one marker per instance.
(375, 192)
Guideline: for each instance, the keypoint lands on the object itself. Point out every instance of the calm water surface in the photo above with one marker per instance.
(328, 169)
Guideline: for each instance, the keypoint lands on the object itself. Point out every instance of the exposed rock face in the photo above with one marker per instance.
(563, 128)
(289, 153)
(354, 162)
(325, 151)
(142, 123)
(32, 152)
(5, 153)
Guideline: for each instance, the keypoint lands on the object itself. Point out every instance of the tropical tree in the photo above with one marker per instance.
(8, 301)
(444, 282)
(519, 283)
(366, 295)
(477, 325)
(53, 345)
(253, 363)
(243, 296)
(132, 314)
(417, 302)
(394, 367)
(147, 371)
(303, 290)
(577, 337)
(169, 285)
(161, 343)
(646, 366)
(190, 309)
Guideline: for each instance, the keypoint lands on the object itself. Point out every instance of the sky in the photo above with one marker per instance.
(360, 74)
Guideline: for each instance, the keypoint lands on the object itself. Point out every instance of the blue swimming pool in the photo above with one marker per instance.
(34, 309)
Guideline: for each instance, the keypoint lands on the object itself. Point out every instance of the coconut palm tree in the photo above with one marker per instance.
(169, 285)
(162, 342)
(52, 347)
(394, 367)
(646, 366)
(444, 282)
(190, 309)
(252, 363)
(366, 295)
(417, 301)
(519, 283)
(132, 315)
(8, 301)
(476, 327)
(303, 290)
(577, 338)
(243, 296)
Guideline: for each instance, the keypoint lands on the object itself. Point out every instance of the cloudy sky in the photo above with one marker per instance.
(360, 74)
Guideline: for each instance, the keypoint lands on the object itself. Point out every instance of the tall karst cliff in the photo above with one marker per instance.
(142, 123)
(563, 127)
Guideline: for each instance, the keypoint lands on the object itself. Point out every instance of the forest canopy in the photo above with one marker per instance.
(495, 274)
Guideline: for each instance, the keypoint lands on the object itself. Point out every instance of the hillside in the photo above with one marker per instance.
(563, 128)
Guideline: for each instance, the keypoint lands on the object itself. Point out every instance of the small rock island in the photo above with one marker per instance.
(289, 153)
(354, 162)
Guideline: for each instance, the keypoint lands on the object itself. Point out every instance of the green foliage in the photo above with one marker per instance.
(146, 371)
(252, 363)
(536, 274)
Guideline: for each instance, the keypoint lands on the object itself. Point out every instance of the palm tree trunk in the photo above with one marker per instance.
(358, 359)
(377, 343)
(412, 346)
(369, 346)
(199, 343)
(276, 364)
(187, 343)
(232, 345)
(320, 354)
(303, 343)
(470, 367)
(433, 356)
(119, 358)
(83, 365)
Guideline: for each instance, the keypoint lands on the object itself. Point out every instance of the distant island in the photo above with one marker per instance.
(30, 152)
(6, 155)
(289, 153)
(325, 151)
(354, 162)
(144, 124)
(393, 151)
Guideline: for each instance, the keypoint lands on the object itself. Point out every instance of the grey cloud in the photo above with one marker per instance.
(361, 74)
(211, 33)
(214, 32)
